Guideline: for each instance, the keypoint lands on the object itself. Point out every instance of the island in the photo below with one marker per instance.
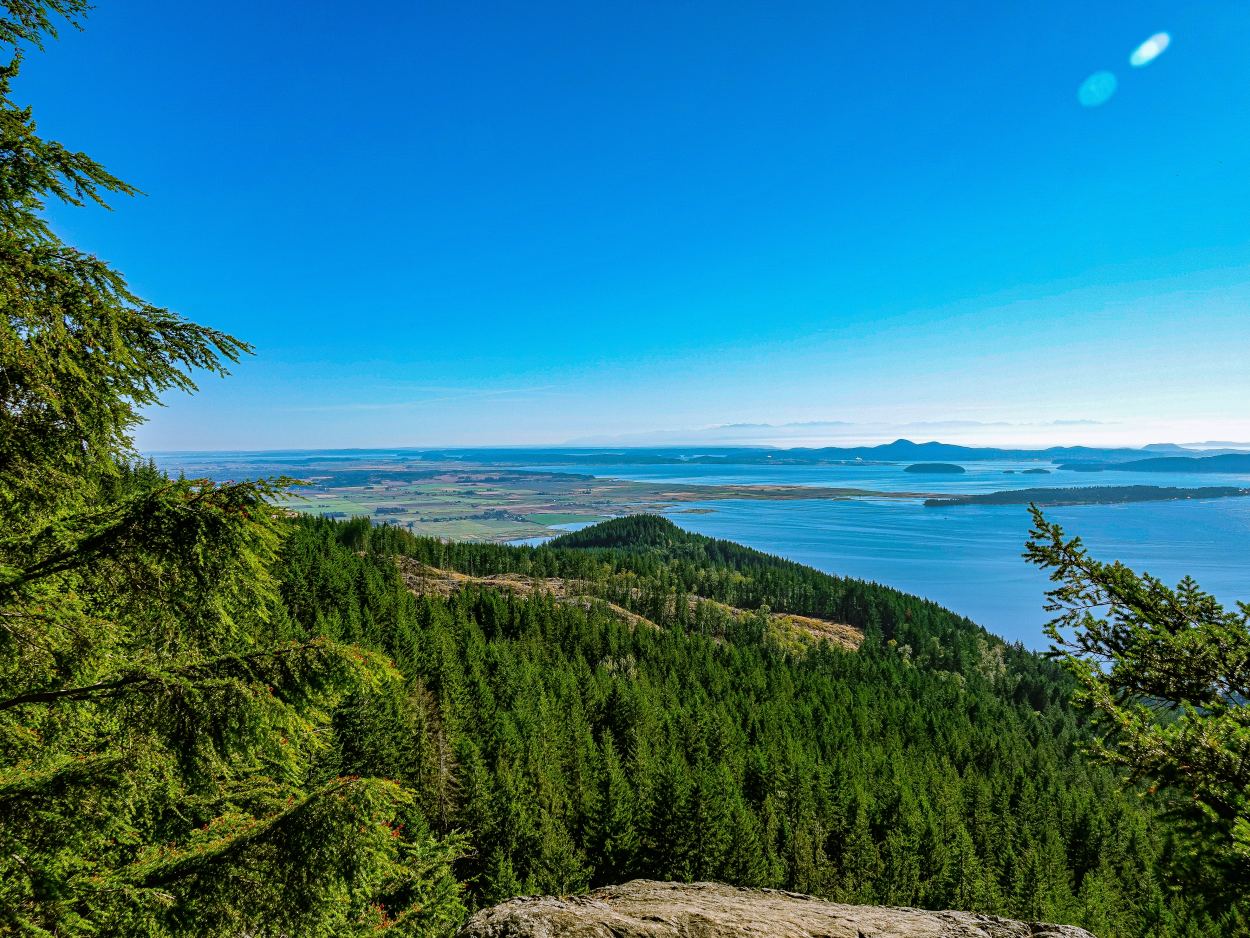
(1235, 463)
(936, 468)
(1087, 495)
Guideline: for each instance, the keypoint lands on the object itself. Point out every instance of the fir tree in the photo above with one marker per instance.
(1166, 672)
(166, 742)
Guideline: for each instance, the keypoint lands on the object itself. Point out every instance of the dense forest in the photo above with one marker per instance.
(571, 746)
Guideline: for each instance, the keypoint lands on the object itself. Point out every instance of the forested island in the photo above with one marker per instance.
(1232, 463)
(1087, 495)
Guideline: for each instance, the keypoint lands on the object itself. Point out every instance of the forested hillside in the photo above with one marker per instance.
(573, 746)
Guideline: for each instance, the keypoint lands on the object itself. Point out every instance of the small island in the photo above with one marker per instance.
(937, 468)
(1035, 472)
(1087, 495)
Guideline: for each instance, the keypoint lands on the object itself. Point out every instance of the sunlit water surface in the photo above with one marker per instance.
(968, 558)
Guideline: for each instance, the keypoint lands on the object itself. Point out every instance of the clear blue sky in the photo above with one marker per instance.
(446, 223)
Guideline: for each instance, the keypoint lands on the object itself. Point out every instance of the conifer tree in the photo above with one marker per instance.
(1166, 673)
(165, 735)
(614, 835)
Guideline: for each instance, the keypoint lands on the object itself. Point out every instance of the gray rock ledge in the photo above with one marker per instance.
(646, 909)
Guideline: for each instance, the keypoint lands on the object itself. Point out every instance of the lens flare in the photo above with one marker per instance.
(1150, 50)
(1096, 89)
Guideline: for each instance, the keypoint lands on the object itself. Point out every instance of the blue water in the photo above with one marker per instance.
(544, 538)
(892, 477)
(968, 558)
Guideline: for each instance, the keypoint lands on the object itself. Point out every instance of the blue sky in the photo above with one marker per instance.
(450, 223)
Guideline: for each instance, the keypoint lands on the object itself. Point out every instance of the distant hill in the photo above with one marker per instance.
(1225, 463)
(901, 450)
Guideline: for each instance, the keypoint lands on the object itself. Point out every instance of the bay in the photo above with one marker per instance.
(968, 558)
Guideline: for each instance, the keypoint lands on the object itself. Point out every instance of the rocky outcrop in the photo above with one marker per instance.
(644, 909)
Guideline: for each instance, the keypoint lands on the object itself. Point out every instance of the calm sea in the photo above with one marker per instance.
(968, 558)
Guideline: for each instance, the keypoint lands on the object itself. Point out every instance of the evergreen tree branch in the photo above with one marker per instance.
(234, 665)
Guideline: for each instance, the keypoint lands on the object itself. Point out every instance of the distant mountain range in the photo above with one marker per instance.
(1083, 457)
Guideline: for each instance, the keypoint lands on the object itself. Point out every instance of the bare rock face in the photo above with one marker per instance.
(645, 909)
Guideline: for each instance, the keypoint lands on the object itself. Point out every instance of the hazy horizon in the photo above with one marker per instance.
(762, 436)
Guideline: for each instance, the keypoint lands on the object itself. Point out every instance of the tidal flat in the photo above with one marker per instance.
(480, 503)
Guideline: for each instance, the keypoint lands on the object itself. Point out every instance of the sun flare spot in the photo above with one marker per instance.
(1097, 89)
(1150, 50)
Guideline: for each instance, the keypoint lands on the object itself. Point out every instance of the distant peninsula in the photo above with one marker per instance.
(937, 468)
(1088, 495)
(1227, 463)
